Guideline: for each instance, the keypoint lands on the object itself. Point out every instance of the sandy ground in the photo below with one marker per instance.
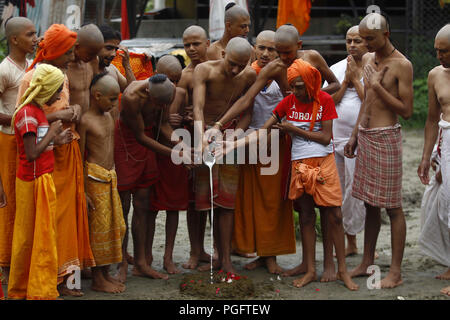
(418, 270)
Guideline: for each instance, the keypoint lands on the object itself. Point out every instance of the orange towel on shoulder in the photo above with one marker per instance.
(8, 158)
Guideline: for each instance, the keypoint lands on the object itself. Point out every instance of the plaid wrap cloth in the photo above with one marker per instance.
(378, 171)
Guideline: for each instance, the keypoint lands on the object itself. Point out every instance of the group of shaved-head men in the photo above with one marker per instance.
(122, 150)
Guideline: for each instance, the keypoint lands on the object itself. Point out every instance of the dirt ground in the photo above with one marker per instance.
(418, 270)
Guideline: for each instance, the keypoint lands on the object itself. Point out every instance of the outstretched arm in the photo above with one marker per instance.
(319, 62)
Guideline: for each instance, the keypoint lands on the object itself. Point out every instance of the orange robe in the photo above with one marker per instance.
(263, 220)
(34, 262)
(72, 227)
(8, 158)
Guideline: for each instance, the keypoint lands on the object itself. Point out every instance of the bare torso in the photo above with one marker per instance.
(215, 51)
(99, 139)
(440, 81)
(80, 75)
(134, 102)
(377, 114)
(222, 91)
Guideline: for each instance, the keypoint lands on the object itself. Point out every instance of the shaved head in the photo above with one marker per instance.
(195, 31)
(239, 47)
(170, 66)
(287, 34)
(16, 25)
(106, 85)
(444, 33)
(353, 30)
(90, 35)
(266, 35)
(374, 21)
(234, 13)
(89, 43)
(160, 89)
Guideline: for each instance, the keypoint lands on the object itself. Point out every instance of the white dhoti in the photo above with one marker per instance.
(444, 194)
(353, 210)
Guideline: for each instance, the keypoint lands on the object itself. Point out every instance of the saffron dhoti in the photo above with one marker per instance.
(106, 223)
(34, 262)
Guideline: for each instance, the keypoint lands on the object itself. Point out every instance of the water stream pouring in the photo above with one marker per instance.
(210, 159)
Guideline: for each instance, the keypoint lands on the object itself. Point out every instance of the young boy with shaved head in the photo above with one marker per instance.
(106, 224)
(388, 77)
(20, 33)
(196, 44)
(81, 70)
(439, 117)
(237, 24)
(217, 85)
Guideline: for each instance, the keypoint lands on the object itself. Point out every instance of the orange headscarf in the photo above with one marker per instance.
(256, 67)
(58, 39)
(313, 82)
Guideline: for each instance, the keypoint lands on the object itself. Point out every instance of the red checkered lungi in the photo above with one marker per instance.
(378, 171)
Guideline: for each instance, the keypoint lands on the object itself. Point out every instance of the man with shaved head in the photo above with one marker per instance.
(20, 33)
(81, 70)
(217, 85)
(134, 154)
(170, 192)
(263, 219)
(439, 117)
(106, 224)
(237, 24)
(349, 73)
(196, 44)
(388, 77)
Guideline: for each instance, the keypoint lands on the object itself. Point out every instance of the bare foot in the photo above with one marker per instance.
(376, 256)
(130, 259)
(102, 285)
(303, 281)
(444, 276)
(272, 265)
(300, 269)
(345, 277)
(255, 264)
(446, 291)
(204, 257)
(121, 275)
(170, 267)
(192, 263)
(228, 267)
(149, 272)
(328, 275)
(359, 271)
(207, 267)
(392, 280)
(113, 280)
(64, 291)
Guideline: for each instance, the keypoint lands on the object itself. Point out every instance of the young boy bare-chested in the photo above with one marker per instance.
(106, 223)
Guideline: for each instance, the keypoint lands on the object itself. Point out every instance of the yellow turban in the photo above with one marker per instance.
(46, 80)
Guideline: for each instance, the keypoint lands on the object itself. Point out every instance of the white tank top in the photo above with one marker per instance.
(266, 100)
